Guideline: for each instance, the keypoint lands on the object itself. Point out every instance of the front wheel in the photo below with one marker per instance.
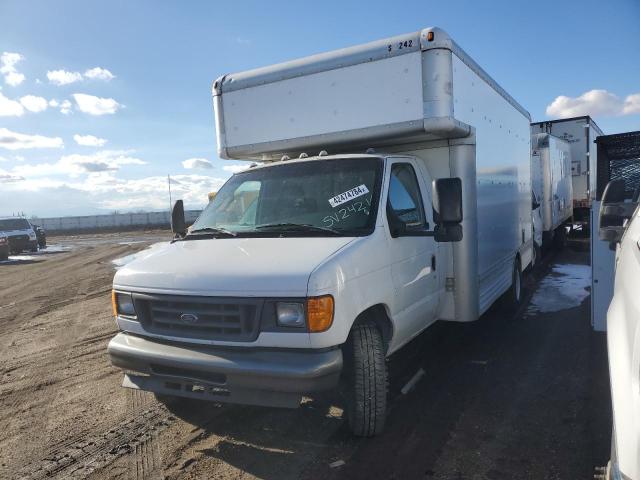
(365, 380)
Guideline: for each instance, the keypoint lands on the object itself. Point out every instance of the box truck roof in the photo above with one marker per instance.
(396, 90)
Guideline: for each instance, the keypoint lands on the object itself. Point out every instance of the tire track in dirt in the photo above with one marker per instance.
(79, 457)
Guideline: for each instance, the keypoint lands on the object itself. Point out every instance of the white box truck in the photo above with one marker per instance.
(306, 272)
(551, 183)
(580, 133)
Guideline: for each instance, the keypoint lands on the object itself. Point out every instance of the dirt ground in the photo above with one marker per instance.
(522, 396)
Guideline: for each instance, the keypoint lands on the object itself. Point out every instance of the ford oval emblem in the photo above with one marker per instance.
(189, 318)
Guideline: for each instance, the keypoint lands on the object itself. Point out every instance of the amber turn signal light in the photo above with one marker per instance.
(114, 304)
(320, 313)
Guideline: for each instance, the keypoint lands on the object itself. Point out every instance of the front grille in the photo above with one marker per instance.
(203, 318)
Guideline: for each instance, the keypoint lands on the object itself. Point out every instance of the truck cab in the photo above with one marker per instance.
(297, 253)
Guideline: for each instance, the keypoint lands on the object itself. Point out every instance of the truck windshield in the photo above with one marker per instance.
(310, 198)
(13, 224)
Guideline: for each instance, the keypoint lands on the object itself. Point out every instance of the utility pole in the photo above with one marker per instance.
(170, 201)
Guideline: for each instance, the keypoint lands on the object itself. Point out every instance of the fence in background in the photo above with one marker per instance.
(111, 221)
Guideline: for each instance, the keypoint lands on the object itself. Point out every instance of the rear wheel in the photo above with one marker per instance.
(513, 297)
(536, 255)
(560, 238)
(365, 380)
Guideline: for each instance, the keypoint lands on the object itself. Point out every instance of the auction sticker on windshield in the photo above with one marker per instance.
(348, 195)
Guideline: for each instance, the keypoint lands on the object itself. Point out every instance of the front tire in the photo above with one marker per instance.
(365, 382)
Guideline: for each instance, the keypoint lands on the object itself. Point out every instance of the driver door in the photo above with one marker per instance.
(413, 258)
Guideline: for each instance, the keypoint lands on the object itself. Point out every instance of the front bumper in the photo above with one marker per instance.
(19, 243)
(239, 375)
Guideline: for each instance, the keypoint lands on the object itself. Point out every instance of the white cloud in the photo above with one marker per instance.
(95, 105)
(596, 102)
(63, 77)
(8, 63)
(98, 73)
(6, 177)
(10, 108)
(65, 107)
(152, 193)
(243, 41)
(76, 164)
(89, 140)
(631, 104)
(33, 103)
(17, 141)
(103, 192)
(235, 168)
(197, 163)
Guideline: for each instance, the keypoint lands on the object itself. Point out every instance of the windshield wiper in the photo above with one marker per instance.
(303, 227)
(212, 230)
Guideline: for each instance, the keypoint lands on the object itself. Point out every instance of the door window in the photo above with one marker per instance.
(405, 202)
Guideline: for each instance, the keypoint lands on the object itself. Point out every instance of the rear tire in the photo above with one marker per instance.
(560, 238)
(536, 255)
(365, 380)
(512, 298)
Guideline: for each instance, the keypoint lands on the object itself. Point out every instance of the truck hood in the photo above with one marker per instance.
(228, 266)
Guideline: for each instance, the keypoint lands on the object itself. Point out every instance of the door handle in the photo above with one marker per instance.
(433, 263)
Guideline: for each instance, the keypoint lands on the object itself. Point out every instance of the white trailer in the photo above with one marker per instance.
(580, 133)
(325, 258)
(551, 183)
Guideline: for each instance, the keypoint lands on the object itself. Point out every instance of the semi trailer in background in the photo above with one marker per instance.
(552, 188)
(394, 190)
(580, 133)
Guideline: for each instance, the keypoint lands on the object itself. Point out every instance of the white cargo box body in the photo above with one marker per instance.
(406, 94)
(551, 179)
(580, 133)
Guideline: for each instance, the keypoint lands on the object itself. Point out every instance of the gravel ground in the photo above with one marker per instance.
(522, 396)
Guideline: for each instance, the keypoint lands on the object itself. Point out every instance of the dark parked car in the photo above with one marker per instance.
(20, 234)
(41, 235)
(4, 248)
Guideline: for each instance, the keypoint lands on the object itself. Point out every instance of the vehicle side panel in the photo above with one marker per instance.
(503, 180)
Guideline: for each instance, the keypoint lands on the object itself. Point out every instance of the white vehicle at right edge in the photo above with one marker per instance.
(620, 225)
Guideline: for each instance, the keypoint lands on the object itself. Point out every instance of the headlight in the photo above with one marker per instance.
(122, 304)
(290, 314)
(32, 236)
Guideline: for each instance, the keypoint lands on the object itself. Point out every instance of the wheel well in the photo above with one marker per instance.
(377, 314)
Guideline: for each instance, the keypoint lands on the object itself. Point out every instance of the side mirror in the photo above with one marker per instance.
(178, 224)
(447, 200)
(447, 209)
(614, 211)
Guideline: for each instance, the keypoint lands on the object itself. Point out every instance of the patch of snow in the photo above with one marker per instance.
(565, 287)
(54, 248)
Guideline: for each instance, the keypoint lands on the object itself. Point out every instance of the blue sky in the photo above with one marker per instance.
(138, 76)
